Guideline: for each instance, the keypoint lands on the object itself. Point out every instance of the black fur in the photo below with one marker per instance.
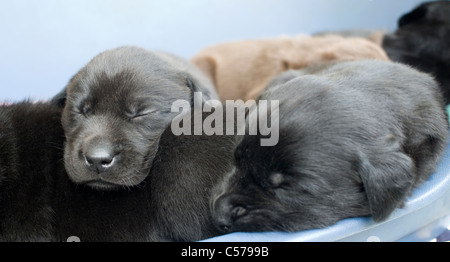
(31, 140)
(355, 139)
(422, 40)
(38, 201)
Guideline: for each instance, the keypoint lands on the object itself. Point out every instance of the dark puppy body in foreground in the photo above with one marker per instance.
(355, 139)
(38, 201)
(422, 40)
(31, 140)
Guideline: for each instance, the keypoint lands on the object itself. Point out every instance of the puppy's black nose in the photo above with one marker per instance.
(100, 158)
(226, 212)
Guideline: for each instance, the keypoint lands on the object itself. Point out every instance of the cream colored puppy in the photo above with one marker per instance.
(241, 69)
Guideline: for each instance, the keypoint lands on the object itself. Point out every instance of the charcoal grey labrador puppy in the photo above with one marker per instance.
(38, 201)
(355, 139)
(115, 110)
(422, 41)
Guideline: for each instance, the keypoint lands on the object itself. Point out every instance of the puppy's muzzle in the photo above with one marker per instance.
(100, 156)
(226, 211)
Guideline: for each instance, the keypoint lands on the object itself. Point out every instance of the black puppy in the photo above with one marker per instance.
(115, 110)
(354, 139)
(422, 40)
(38, 201)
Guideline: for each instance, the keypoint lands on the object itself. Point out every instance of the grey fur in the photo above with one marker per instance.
(355, 139)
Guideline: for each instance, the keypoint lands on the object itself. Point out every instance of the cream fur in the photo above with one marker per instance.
(241, 69)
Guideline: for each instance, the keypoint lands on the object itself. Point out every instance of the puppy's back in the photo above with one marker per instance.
(7, 144)
(33, 139)
(392, 93)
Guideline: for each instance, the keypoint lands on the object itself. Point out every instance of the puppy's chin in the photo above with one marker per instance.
(106, 184)
(103, 185)
(113, 180)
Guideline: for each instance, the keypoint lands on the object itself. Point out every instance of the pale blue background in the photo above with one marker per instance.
(44, 42)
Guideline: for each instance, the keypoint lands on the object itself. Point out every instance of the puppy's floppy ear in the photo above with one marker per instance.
(413, 16)
(59, 99)
(195, 86)
(388, 178)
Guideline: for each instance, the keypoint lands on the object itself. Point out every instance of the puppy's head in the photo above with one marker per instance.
(115, 110)
(294, 185)
(288, 186)
(430, 12)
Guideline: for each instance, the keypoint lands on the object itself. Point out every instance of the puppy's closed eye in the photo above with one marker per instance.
(140, 113)
(83, 108)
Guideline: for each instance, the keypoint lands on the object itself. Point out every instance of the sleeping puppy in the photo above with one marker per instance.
(241, 70)
(355, 139)
(171, 204)
(38, 201)
(421, 41)
(116, 109)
